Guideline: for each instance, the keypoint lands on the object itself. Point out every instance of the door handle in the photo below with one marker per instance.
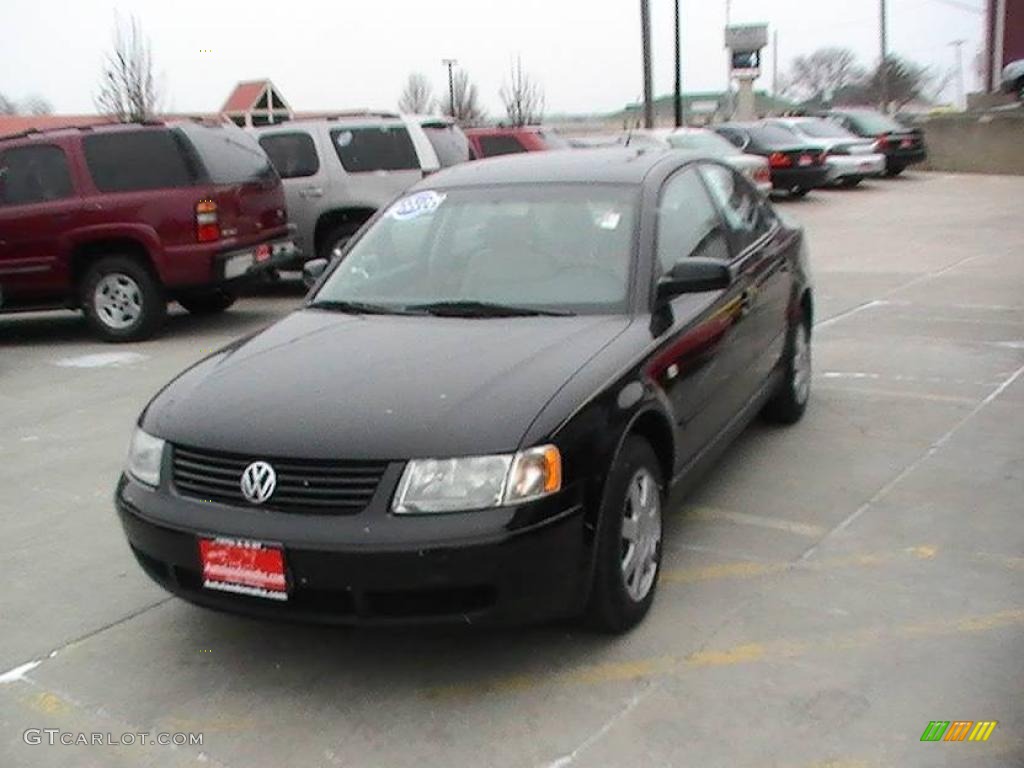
(746, 301)
(311, 192)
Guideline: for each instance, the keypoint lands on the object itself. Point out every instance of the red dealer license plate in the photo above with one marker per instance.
(906, 144)
(244, 567)
(805, 160)
(262, 252)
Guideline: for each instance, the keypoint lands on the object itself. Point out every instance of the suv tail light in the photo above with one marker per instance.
(779, 160)
(207, 225)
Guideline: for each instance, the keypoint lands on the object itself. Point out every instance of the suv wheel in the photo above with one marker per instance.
(629, 545)
(335, 240)
(122, 300)
(207, 302)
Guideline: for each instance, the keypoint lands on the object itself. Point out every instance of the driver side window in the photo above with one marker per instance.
(740, 203)
(688, 223)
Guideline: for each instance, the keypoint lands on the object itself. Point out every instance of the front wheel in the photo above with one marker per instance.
(798, 192)
(790, 402)
(894, 170)
(851, 181)
(207, 302)
(335, 240)
(122, 299)
(629, 543)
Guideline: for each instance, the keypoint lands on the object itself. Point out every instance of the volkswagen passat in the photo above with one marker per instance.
(483, 404)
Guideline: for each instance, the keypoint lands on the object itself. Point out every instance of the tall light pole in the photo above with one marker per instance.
(679, 72)
(728, 65)
(645, 33)
(451, 84)
(958, 44)
(775, 64)
(883, 71)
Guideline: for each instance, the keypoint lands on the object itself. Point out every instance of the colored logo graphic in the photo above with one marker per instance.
(958, 730)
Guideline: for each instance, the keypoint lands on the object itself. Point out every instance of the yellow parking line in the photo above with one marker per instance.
(746, 653)
(759, 521)
(754, 570)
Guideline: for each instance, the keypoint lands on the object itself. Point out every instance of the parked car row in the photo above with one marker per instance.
(117, 220)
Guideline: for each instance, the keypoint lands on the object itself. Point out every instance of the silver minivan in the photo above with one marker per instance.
(338, 171)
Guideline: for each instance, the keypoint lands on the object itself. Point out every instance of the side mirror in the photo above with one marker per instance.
(312, 270)
(694, 275)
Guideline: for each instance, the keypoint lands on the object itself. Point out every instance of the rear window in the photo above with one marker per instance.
(33, 175)
(774, 136)
(450, 143)
(553, 141)
(375, 148)
(124, 161)
(874, 122)
(230, 155)
(292, 154)
(823, 129)
(491, 146)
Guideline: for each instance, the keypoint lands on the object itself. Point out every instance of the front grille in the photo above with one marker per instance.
(308, 486)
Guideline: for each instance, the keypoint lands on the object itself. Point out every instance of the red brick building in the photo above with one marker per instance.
(1004, 36)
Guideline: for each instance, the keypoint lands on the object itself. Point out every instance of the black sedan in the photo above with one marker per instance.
(902, 146)
(481, 408)
(797, 166)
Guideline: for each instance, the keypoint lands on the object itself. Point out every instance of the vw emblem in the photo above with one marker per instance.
(258, 482)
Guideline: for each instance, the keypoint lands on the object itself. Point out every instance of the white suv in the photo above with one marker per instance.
(338, 171)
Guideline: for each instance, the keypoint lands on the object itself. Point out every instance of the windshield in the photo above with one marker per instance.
(874, 122)
(823, 129)
(703, 141)
(549, 247)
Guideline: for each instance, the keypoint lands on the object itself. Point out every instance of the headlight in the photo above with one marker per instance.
(478, 482)
(145, 454)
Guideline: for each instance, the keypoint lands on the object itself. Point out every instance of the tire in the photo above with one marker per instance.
(335, 240)
(851, 181)
(894, 170)
(798, 192)
(787, 406)
(621, 596)
(122, 299)
(207, 302)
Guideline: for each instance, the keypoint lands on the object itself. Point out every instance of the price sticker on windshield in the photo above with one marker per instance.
(416, 205)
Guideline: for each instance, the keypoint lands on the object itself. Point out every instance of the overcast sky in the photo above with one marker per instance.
(347, 54)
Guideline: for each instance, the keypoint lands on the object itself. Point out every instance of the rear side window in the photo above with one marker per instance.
(450, 143)
(491, 146)
(292, 154)
(124, 161)
(230, 155)
(33, 175)
(375, 148)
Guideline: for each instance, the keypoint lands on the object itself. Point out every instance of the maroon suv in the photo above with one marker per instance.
(119, 219)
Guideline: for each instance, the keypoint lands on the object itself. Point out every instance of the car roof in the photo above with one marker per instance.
(572, 166)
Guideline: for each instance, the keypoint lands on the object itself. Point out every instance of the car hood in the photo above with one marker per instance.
(319, 385)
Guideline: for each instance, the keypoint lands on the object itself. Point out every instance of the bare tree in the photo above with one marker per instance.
(523, 97)
(466, 108)
(907, 81)
(128, 90)
(821, 74)
(35, 105)
(416, 97)
(7, 107)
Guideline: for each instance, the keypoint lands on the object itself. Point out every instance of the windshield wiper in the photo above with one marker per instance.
(483, 309)
(357, 307)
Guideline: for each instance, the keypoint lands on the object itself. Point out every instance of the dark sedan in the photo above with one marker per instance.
(902, 146)
(797, 166)
(480, 410)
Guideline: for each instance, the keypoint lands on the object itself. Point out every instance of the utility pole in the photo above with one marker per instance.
(775, 64)
(451, 84)
(679, 71)
(957, 44)
(728, 65)
(645, 34)
(883, 71)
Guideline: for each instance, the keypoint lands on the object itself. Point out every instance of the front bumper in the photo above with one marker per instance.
(487, 574)
(862, 166)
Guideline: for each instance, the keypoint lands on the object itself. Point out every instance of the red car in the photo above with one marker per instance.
(491, 142)
(116, 220)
